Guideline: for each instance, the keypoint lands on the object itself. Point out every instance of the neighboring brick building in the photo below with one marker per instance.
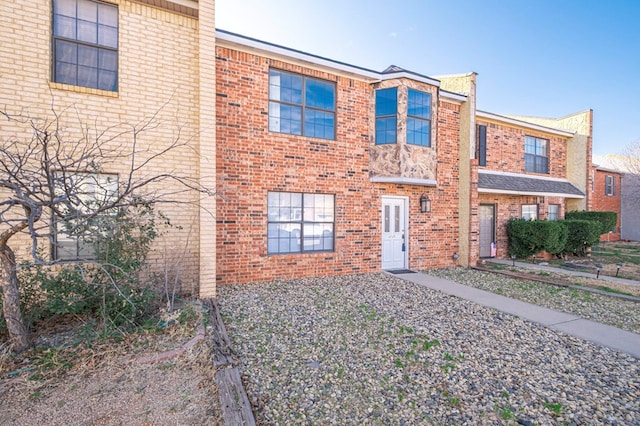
(102, 64)
(607, 192)
(524, 171)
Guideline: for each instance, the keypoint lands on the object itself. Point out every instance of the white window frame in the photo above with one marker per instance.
(303, 224)
(553, 215)
(609, 185)
(529, 211)
(89, 190)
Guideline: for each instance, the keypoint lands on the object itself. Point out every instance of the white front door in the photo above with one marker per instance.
(394, 233)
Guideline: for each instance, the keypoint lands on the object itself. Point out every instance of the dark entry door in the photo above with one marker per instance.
(487, 228)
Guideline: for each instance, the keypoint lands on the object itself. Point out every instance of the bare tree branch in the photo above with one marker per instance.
(61, 175)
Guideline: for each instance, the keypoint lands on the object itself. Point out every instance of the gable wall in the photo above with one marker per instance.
(158, 74)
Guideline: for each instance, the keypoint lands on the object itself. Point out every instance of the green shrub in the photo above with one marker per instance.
(109, 289)
(527, 237)
(582, 234)
(556, 236)
(607, 220)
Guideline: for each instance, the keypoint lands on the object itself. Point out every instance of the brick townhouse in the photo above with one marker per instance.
(320, 167)
(530, 168)
(606, 189)
(328, 168)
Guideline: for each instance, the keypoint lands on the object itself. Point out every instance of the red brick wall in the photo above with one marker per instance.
(606, 203)
(510, 206)
(253, 161)
(505, 149)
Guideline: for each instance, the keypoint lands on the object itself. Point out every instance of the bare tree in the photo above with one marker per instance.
(50, 175)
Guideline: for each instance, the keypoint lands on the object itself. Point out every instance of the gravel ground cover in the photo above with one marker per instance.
(374, 349)
(609, 310)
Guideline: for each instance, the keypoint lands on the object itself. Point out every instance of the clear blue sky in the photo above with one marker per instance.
(547, 58)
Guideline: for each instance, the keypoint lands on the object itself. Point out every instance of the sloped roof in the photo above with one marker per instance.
(526, 185)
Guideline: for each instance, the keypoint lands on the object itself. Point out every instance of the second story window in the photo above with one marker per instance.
(609, 185)
(301, 105)
(85, 44)
(386, 115)
(419, 118)
(536, 155)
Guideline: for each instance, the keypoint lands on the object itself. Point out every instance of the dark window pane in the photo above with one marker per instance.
(386, 130)
(319, 124)
(66, 73)
(482, 145)
(88, 56)
(107, 80)
(108, 60)
(87, 77)
(285, 87)
(66, 52)
(320, 94)
(418, 132)
(108, 15)
(108, 36)
(65, 7)
(386, 102)
(64, 27)
(419, 104)
(87, 32)
(536, 158)
(88, 10)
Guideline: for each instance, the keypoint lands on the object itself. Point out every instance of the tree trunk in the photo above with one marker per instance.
(18, 331)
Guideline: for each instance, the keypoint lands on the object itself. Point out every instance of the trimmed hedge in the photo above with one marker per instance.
(607, 220)
(528, 237)
(582, 234)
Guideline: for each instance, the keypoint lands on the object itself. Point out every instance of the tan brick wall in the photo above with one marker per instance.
(606, 203)
(207, 138)
(467, 203)
(158, 74)
(253, 161)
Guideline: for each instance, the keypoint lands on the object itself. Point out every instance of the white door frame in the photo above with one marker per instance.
(405, 213)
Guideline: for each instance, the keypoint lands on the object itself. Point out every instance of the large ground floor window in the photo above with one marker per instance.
(299, 222)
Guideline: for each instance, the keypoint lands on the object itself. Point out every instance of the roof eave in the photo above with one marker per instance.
(227, 37)
(520, 123)
(529, 193)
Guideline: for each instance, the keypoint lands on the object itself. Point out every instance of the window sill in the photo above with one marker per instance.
(80, 89)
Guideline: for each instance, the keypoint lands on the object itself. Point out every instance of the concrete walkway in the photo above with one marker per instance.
(612, 337)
